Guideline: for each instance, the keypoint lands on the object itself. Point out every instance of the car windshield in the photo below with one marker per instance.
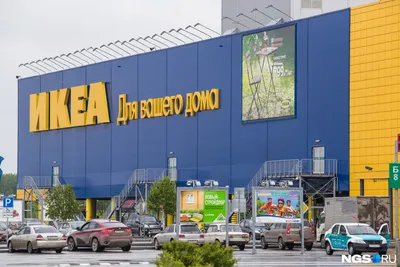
(45, 230)
(147, 219)
(360, 230)
(231, 228)
(258, 225)
(190, 229)
(3, 226)
(75, 225)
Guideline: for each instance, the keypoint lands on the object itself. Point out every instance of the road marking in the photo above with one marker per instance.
(84, 264)
(64, 265)
(105, 263)
(124, 263)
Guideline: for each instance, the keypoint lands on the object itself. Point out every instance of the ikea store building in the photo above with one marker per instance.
(321, 92)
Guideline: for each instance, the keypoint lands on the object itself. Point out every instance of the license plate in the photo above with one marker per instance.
(374, 246)
(52, 238)
(119, 231)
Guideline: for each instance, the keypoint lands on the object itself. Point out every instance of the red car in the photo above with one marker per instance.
(101, 234)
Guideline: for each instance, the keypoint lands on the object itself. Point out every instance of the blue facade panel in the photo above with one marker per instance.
(99, 159)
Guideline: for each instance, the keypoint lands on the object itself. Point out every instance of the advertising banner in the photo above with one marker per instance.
(202, 206)
(14, 214)
(278, 206)
(268, 74)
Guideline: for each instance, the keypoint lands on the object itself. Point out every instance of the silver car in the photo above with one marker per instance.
(189, 232)
(37, 238)
(68, 228)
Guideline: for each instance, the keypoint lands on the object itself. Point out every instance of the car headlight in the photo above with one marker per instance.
(146, 226)
(384, 241)
(359, 241)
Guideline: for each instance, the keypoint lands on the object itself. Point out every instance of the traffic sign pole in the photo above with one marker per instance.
(393, 179)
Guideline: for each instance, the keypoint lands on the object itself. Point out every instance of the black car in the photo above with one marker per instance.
(246, 226)
(143, 225)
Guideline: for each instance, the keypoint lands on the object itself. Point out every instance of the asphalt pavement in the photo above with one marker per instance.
(146, 257)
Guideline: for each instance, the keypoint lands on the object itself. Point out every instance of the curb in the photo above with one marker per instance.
(102, 264)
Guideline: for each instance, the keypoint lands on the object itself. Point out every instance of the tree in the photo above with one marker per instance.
(8, 184)
(162, 196)
(62, 204)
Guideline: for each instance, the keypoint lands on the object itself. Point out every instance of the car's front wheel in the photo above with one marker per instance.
(58, 251)
(309, 246)
(156, 244)
(10, 247)
(351, 250)
(264, 244)
(242, 246)
(328, 248)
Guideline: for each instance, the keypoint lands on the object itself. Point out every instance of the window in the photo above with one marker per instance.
(189, 199)
(361, 187)
(384, 230)
(21, 232)
(279, 225)
(311, 4)
(45, 230)
(342, 230)
(111, 225)
(335, 229)
(94, 225)
(170, 229)
(27, 231)
(86, 226)
(188, 228)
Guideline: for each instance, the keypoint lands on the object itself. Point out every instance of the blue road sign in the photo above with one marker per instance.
(8, 202)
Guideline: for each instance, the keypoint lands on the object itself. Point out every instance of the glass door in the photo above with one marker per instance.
(318, 160)
(172, 172)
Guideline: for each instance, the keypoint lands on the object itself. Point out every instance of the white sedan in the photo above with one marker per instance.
(217, 233)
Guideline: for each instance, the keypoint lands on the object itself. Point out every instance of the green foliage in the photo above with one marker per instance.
(62, 204)
(182, 254)
(8, 184)
(162, 196)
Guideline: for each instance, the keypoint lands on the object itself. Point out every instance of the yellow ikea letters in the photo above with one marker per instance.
(68, 108)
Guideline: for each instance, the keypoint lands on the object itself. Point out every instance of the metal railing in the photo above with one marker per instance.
(137, 178)
(287, 169)
(30, 183)
(319, 167)
(38, 181)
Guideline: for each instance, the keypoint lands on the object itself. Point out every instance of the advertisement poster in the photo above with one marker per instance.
(278, 206)
(202, 206)
(268, 74)
(16, 212)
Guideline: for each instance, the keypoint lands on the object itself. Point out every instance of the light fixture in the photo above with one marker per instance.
(211, 183)
(193, 183)
(290, 183)
(317, 141)
(171, 153)
(272, 183)
(368, 168)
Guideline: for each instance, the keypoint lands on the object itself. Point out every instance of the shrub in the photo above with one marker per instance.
(182, 254)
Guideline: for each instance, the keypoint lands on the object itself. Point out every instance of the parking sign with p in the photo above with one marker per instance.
(8, 202)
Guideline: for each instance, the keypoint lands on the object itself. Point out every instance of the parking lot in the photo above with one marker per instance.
(139, 255)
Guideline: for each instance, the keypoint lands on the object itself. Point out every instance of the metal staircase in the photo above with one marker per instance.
(137, 187)
(308, 170)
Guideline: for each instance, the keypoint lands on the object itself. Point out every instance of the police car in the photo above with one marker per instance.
(355, 238)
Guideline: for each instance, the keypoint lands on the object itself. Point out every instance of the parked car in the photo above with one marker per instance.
(144, 225)
(3, 232)
(37, 238)
(69, 227)
(246, 226)
(100, 234)
(216, 233)
(354, 238)
(188, 232)
(288, 235)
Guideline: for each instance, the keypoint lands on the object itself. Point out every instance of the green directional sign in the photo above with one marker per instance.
(394, 173)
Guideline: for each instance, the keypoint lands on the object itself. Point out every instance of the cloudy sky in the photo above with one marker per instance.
(35, 29)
